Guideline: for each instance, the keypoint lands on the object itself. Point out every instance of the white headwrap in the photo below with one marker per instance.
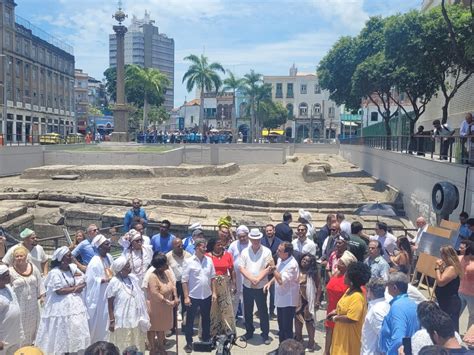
(3, 269)
(118, 264)
(242, 229)
(348, 258)
(194, 226)
(98, 240)
(305, 215)
(128, 238)
(59, 253)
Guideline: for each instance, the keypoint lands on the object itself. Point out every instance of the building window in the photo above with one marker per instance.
(289, 90)
(374, 116)
(303, 109)
(192, 119)
(289, 107)
(317, 88)
(279, 91)
(331, 111)
(19, 96)
(317, 109)
(8, 17)
(8, 40)
(17, 69)
(303, 89)
(18, 44)
(26, 74)
(26, 49)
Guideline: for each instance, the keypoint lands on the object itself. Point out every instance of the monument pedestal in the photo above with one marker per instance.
(120, 133)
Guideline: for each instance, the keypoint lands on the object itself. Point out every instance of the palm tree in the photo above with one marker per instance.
(252, 83)
(150, 83)
(232, 83)
(204, 76)
(264, 96)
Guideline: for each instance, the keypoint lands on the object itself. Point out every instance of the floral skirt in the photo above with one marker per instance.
(222, 311)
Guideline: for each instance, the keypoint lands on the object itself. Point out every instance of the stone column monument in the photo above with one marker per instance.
(120, 133)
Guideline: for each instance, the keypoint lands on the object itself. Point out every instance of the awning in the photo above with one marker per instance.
(351, 124)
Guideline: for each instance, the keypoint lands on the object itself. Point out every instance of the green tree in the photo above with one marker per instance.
(450, 69)
(252, 82)
(148, 85)
(233, 84)
(94, 111)
(203, 76)
(275, 114)
(412, 73)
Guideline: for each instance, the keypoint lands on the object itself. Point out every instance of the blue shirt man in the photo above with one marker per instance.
(135, 212)
(464, 232)
(402, 320)
(85, 249)
(163, 241)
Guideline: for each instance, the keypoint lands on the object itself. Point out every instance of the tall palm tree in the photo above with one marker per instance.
(232, 83)
(204, 76)
(264, 95)
(149, 82)
(252, 81)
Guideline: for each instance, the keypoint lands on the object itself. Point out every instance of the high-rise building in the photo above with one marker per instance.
(146, 47)
(37, 80)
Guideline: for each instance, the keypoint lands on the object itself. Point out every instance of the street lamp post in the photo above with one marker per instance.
(4, 92)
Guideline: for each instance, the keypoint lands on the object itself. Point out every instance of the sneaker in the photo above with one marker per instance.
(188, 349)
(267, 341)
(246, 337)
(180, 318)
(272, 315)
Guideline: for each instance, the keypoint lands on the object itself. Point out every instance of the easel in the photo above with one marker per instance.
(425, 266)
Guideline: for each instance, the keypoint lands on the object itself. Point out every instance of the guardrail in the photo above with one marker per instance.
(455, 149)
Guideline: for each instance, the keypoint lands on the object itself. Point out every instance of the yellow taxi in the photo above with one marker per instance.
(74, 138)
(51, 138)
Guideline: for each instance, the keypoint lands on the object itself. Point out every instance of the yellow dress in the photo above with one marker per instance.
(346, 339)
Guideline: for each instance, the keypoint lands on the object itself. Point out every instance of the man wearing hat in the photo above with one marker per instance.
(36, 254)
(189, 238)
(256, 263)
(305, 218)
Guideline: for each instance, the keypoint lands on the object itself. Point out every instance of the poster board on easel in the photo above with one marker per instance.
(434, 238)
(425, 266)
(454, 226)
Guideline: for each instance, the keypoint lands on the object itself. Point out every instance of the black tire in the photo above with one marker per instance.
(444, 198)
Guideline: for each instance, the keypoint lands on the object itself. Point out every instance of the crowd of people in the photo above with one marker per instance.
(85, 296)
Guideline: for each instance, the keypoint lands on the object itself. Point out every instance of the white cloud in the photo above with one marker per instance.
(346, 15)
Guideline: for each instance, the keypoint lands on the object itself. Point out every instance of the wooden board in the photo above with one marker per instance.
(426, 264)
(454, 226)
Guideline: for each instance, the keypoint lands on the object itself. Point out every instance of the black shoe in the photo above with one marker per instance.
(272, 315)
(188, 349)
(246, 337)
(266, 340)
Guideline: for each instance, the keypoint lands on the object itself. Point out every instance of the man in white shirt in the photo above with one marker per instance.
(36, 254)
(287, 288)
(467, 132)
(377, 310)
(422, 226)
(199, 290)
(302, 244)
(256, 263)
(388, 241)
(443, 132)
(176, 259)
(236, 248)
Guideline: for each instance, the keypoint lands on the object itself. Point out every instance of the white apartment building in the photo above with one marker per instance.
(314, 115)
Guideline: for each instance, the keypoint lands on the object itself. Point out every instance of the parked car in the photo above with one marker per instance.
(74, 138)
(51, 138)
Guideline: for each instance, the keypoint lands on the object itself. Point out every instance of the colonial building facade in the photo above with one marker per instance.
(37, 75)
(313, 115)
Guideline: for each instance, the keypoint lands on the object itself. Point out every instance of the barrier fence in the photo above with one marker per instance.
(455, 149)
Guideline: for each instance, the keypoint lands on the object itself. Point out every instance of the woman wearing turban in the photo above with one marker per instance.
(98, 275)
(137, 253)
(28, 285)
(335, 289)
(63, 326)
(128, 316)
(11, 332)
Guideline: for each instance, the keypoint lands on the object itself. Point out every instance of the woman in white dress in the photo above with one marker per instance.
(128, 316)
(11, 332)
(27, 283)
(98, 275)
(63, 326)
(137, 253)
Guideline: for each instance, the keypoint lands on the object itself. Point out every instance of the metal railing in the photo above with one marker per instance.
(455, 149)
(21, 139)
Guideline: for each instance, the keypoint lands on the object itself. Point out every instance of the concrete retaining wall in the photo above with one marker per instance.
(414, 177)
(169, 158)
(14, 160)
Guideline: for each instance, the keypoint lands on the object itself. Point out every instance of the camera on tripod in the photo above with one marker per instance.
(223, 343)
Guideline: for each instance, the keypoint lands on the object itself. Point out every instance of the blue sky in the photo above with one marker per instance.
(266, 35)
